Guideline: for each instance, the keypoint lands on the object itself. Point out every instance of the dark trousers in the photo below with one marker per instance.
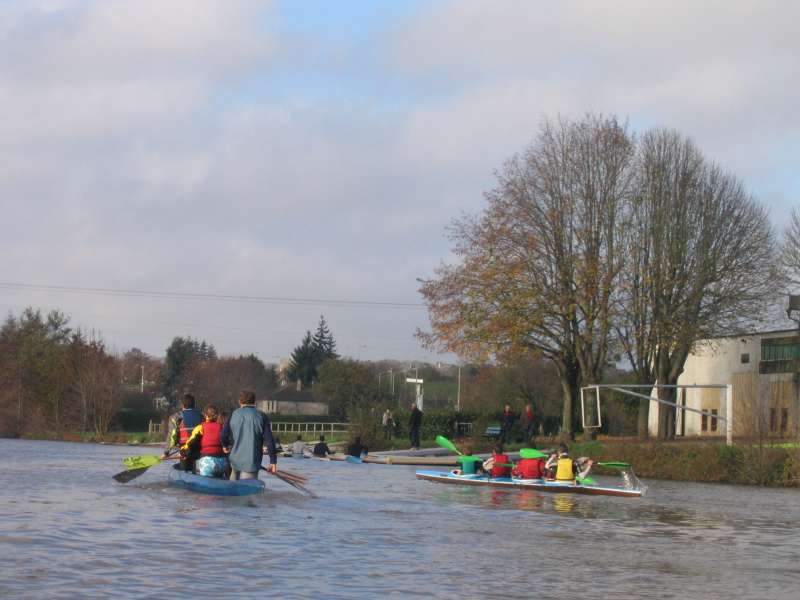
(414, 435)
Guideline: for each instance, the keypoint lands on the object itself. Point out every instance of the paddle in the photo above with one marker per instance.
(283, 476)
(531, 453)
(445, 443)
(137, 465)
(614, 465)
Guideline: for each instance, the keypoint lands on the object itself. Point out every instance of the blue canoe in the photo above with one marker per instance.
(214, 486)
(539, 485)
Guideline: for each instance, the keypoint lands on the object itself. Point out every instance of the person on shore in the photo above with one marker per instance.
(529, 424)
(356, 449)
(321, 448)
(506, 423)
(245, 436)
(414, 424)
(204, 446)
(298, 446)
(181, 425)
(387, 422)
(499, 465)
(529, 468)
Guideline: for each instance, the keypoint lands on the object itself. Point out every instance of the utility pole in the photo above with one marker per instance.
(142, 386)
(458, 397)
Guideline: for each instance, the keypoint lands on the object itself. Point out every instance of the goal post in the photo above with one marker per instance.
(590, 402)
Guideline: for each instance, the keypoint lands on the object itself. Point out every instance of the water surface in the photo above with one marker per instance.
(67, 530)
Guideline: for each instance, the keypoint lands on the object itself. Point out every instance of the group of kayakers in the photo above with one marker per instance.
(215, 447)
(559, 466)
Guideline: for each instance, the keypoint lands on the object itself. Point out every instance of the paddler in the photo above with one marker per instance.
(499, 465)
(566, 468)
(206, 442)
(529, 468)
(245, 436)
(181, 425)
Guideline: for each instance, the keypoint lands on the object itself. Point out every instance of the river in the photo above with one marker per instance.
(67, 530)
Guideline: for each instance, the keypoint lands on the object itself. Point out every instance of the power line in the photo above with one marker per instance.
(205, 296)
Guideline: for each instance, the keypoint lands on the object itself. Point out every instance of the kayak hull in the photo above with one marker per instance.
(213, 485)
(528, 484)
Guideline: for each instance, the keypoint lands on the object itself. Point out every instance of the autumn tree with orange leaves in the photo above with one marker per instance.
(538, 269)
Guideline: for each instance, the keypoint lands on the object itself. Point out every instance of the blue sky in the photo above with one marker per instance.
(320, 149)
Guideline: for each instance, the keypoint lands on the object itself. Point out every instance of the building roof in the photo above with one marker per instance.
(289, 393)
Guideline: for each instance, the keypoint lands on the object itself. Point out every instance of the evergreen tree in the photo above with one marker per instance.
(303, 366)
(324, 344)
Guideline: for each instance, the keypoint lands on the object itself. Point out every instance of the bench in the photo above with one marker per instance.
(492, 432)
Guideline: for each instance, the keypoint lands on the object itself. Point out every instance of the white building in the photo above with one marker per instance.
(764, 369)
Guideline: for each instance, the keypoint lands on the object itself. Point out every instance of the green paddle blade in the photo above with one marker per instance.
(445, 443)
(531, 453)
(585, 480)
(466, 459)
(614, 465)
(140, 462)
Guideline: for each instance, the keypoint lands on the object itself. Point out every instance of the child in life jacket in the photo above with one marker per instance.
(205, 443)
(567, 469)
(499, 464)
(529, 468)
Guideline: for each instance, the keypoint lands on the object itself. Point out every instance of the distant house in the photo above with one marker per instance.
(764, 370)
(293, 400)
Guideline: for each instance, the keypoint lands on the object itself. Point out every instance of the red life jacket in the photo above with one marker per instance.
(211, 442)
(530, 468)
(498, 471)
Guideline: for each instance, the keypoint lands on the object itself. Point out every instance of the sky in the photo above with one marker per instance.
(305, 158)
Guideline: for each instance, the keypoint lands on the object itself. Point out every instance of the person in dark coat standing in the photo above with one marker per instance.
(245, 436)
(528, 423)
(506, 423)
(414, 423)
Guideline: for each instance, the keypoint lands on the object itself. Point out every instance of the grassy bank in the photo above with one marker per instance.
(703, 462)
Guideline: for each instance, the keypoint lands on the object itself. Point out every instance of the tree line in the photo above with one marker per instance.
(597, 241)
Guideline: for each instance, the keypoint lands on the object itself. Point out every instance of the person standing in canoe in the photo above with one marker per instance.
(414, 423)
(245, 436)
(205, 445)
(181, 425)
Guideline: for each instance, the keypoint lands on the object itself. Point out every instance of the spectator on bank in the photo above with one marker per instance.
(414, 423)
(506, 423)
(387, 422)
(529, 423)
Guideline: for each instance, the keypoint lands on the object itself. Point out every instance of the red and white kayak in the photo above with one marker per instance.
(540, 485)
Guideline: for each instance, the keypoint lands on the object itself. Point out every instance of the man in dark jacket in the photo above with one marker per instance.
(246, 434)
(506, 423)
(414, 423)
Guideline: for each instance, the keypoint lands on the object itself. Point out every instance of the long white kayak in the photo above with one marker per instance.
(540, 485)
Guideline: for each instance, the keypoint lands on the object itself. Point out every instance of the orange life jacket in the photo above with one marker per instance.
(498, 471)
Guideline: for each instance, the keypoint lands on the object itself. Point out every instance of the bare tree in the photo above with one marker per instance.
(790, 251)
(700, 262)
(539, 267)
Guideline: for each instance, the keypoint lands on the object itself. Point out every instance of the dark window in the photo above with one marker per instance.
(704, 422)
(773, 419)
(784, 420)
(745, 358)
(714, 419)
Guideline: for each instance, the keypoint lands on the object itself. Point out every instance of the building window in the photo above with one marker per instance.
(745, 358)
(784, 420)
(714, 419)
(704, 422)
(773, 419)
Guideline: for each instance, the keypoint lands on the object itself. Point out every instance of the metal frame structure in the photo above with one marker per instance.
(624, 388)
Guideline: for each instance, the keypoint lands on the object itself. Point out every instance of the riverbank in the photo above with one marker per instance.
(756, 464)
